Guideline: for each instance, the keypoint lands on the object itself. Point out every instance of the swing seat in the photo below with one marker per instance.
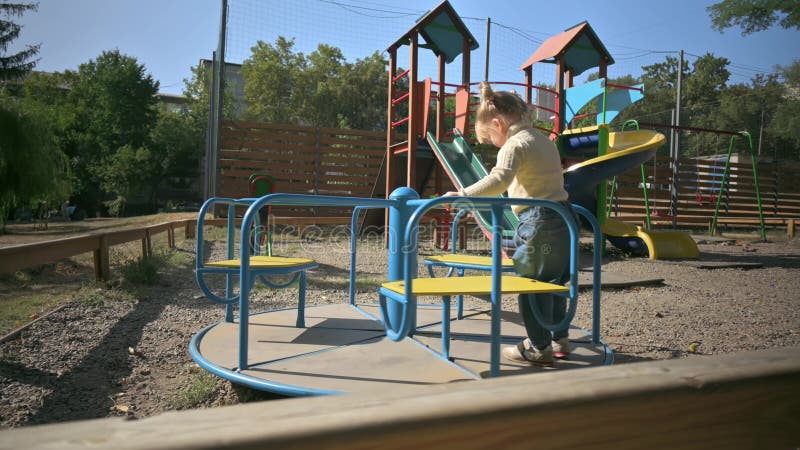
(662, 215)
(666, 244)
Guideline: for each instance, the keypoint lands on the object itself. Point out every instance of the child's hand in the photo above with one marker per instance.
(452, 194)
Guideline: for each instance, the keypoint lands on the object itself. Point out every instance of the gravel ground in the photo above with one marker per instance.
(122, 351)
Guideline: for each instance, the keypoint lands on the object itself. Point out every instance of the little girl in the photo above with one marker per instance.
(528, 166)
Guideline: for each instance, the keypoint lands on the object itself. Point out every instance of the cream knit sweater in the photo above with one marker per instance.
(528, 166)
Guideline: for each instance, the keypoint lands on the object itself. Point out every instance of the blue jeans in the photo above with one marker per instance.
(542, 253)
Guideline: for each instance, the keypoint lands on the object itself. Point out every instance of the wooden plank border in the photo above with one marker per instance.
(24, 256)
(741, 400)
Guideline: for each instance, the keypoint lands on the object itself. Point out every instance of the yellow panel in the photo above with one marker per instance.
(581, 130)
(635, 140)
(669, 244)
(626, 143)
(455, 258)
(474, 285)
(660, 244)
(618, 228)
(263, 262)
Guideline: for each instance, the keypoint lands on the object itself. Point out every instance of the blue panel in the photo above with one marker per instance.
(583, 141)
(618, 100)
(577, 97)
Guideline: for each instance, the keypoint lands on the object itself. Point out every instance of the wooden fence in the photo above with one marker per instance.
(695, 187)
(329, 161)
(303, 160)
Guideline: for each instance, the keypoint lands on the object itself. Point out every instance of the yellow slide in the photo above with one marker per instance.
(625, 150)
(661, 244)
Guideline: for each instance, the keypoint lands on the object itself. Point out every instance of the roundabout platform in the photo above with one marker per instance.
(397, 341)
(343, 348)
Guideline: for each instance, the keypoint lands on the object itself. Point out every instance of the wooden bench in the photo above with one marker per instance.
(699, 221)
(789, 223)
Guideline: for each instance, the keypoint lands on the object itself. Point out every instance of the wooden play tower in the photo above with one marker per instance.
(444, 34)
(573, 51)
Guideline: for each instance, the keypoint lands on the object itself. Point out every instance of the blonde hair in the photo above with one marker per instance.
(507, 105)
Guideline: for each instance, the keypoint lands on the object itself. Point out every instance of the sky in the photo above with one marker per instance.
(170, 36)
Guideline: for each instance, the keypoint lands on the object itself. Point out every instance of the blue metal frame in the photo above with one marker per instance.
(237, 377)
(596, 265)
(398, 312)
(247, 275)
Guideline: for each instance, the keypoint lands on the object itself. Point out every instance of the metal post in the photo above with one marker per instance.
(761, 131)
(488, 38)
(676, 143)
(208, 176)
(399, 214)
(218, 87)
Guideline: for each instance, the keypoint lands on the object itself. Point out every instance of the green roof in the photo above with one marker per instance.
(443, 31)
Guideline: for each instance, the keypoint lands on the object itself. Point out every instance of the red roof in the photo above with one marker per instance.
(578, 47)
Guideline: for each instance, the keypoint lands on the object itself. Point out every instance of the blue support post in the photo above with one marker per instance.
(497, 298)
(231, 254)
(399, 214)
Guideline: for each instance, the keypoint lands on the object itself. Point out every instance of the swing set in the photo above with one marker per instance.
(713, 197)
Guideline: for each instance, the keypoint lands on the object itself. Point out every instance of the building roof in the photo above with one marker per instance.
(443, 31)
(578, 47)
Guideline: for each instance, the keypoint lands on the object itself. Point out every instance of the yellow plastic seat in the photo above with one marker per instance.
(471, 260)
(473, 285)
(263, 262)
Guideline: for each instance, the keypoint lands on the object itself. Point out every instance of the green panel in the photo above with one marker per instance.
(444, 37)
(464, 168)
(582, 55)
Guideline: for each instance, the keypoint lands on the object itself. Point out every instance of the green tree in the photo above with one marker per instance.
(362, 100)
(660, 81)
(17, 65)
(784, 126)
(272, 82)
(48, 93)
(114, 106)
(754, 15)
(704, 80)
(178, 144)
(197, 91)
(322, 82)
(129, 173)
(700, 105)
(32, 169)
(321, 89)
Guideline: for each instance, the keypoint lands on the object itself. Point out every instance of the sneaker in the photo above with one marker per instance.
(561, 348)
(524, 352)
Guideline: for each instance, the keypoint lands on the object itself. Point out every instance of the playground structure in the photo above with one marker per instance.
(346, 348)
(333, 349)
(299, 361)
(592, 155)
(308, 159)
(715, 186)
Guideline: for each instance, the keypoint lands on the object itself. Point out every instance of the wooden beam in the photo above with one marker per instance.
(18, 257)
(749, 400)
(24, 256)
(102, 263)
